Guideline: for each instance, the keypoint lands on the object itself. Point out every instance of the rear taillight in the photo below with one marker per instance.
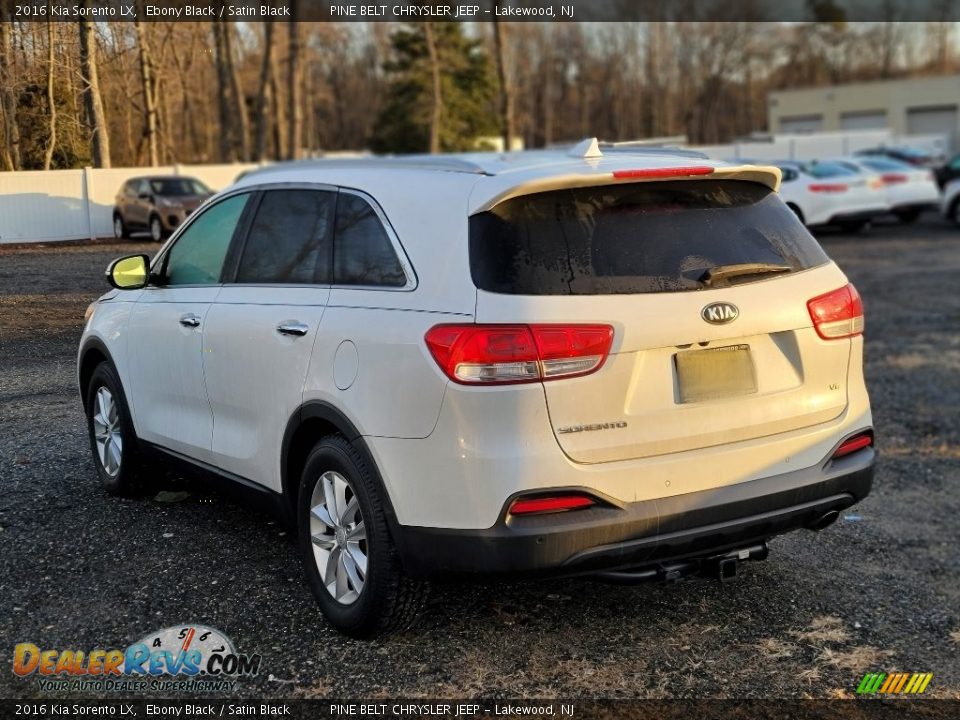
(854, 443)
(893, 178)
(506, 354)
(557, 503)
(827, 187)
(838, 314)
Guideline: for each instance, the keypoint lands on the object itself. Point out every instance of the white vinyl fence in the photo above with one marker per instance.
(815, 146)
(44, 206)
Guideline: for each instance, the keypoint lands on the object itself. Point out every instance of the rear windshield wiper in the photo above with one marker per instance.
(725, 272)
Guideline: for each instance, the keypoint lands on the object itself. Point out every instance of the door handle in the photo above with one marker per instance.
(292, 327)
(190, 320)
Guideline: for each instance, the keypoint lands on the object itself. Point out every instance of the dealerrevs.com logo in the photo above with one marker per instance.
(189, 658)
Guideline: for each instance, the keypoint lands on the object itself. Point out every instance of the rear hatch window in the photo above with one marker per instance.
(650, 237)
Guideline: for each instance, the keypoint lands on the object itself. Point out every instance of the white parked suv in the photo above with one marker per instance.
(637, 365)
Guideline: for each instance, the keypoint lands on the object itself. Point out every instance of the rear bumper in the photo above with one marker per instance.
(857, 216)
(642, 533)
(918, 206)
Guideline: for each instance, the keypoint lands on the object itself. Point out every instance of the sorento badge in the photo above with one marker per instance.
(720, 313)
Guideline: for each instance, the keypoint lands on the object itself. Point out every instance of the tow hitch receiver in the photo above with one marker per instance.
(723, 567)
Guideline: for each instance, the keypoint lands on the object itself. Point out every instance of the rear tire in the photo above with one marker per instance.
(907, 216)
(955, 212)
(113, 441)
(855, 227)
(349, 557)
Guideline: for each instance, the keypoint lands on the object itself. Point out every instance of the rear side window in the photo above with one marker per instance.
(640, 238)
(829, 169)
(886, 164)
(363, 253)
(290, 239)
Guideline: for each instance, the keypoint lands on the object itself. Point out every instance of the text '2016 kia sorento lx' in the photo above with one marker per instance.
(633, 365)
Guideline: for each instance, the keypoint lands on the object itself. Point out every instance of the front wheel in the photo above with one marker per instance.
(119, 228)
(112, 439)
(349, 556)
(156, 229)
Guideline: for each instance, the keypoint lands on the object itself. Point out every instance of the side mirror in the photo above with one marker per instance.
(146, 196)
(129, 273)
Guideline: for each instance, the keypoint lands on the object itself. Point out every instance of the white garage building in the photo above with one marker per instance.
(914, 106)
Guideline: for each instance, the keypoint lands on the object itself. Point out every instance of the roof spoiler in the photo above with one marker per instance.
(763, 174)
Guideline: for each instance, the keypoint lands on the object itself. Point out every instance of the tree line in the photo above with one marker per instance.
(130, 94)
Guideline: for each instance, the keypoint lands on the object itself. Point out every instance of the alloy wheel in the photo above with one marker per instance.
(107, 431)
(117, 228)
(156, 230)
(339, 537)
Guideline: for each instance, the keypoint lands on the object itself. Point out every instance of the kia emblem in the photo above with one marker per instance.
(720, 313)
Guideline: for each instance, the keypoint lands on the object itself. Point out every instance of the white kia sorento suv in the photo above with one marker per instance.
(632, 364)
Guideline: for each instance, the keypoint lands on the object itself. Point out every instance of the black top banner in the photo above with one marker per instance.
(392, 709)
(833, 11)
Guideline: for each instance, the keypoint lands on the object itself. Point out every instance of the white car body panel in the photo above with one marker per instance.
(920, 187)
(255, 375)
(821, 208)
(451, 455)
(165, 369)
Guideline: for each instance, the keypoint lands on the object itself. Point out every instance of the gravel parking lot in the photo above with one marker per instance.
(879, 590)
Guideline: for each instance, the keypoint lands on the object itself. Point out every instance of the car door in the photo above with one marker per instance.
(138, 207)
(166, 330)
(262, 327)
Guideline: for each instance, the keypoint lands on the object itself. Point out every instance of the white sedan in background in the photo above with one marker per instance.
(951, 201)
(828, 193)
(909, 189)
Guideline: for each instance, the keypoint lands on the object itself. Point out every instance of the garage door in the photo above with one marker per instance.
(934, 121)
(869, 120)
(801, 124)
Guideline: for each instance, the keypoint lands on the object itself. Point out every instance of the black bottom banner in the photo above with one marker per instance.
(471, 709)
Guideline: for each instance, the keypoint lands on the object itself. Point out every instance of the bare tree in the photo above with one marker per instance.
(263, 95)
(224, 93)
(242, 126)
(100, 138)
(8, 99)
(148, 88)
(436, 114)
(295, 87)
(503, 76)
(51, 96)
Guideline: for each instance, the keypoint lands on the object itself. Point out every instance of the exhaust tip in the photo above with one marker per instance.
(825, 520)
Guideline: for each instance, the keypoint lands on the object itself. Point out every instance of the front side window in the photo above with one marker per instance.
(290, 238)
(363, 253)
(197, 256)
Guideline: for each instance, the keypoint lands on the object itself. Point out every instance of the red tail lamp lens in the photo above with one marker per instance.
(837, 314)
(853, 444)
(504, 354)
(540, 505)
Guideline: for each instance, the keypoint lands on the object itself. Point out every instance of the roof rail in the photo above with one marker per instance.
(401, 162)
(638, 149)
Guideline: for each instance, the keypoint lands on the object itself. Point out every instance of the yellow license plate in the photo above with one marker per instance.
(715, 373)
